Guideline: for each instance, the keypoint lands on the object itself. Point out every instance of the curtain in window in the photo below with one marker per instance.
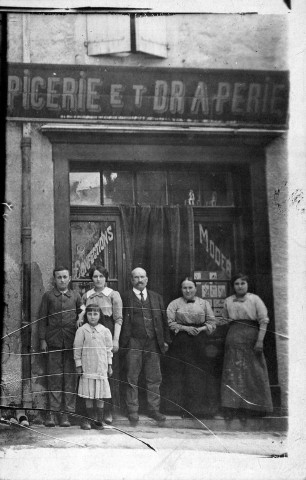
(160, 240)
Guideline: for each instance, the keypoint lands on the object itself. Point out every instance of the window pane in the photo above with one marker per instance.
(92, 241)
(217, 190)
(183, 188)
(151, 188)
(84, 188)
(117, 188)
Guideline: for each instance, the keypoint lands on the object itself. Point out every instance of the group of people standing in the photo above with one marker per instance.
(82, 337)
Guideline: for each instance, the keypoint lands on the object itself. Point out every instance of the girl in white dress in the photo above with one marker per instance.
(93, 358)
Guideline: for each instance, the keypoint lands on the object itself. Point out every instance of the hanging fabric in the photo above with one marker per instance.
(160, 240)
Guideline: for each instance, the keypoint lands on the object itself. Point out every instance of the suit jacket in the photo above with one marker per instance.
(130, 326)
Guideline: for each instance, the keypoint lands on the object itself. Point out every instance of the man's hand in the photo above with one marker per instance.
(43, 346)
(115, 346)
(110, 371)
(166, 346)
(79, 322)
(79, 370)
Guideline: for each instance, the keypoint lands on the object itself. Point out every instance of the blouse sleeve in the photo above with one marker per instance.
(109, 346)
(225, 314)
(210, 320)
(78, 346)
(261, 311)
(117, 307)
(171, 312)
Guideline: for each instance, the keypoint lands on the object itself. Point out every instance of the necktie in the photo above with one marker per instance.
(141, 297)
(190, 301)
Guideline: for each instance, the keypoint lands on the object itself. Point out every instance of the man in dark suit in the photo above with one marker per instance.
(145, 334)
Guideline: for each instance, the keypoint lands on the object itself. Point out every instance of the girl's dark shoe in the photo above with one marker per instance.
(98, 423)
(108, 417)
(85, 424)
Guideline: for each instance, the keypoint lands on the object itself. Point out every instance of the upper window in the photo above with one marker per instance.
(109, 34)
(151, 187)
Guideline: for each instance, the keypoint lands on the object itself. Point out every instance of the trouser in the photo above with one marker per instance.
(62, 380)
(143, 353)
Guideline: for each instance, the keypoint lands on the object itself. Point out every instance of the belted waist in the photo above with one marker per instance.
(197, 325)
(245, 321)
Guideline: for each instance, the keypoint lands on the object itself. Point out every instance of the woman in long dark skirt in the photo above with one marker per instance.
(245, 389)
(191, 320)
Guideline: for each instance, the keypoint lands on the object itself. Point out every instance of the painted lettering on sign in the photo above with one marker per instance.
(84, 262)
(215, 253)
(71, 92)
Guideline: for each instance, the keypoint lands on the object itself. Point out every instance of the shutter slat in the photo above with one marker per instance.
(151, 35)
(107, 34)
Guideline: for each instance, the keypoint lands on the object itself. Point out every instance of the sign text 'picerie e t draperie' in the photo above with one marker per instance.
(68, 92)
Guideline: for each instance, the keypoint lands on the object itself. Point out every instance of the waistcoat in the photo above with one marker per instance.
(143, 316)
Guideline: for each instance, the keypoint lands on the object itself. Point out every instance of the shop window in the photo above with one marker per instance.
(85, 188)
(217, 190)
(117, 187)
(151, 188)
(159, 187)
(109, 34)
(184, 188)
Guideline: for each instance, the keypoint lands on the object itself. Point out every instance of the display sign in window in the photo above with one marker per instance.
(214, 262)
(91, 242)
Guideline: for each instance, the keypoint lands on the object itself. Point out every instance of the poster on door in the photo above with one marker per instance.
(92, 242)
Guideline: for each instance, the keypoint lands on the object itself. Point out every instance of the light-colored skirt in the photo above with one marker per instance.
(245, 380)
(94, 388)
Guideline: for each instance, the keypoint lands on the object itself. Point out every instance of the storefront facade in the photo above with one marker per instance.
(160, 159)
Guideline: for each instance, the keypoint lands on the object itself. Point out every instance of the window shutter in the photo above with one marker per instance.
(151, 35)
(107, 34)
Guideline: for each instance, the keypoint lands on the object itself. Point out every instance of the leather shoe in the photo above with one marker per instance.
(85, 425)
(64, 421)
(159, 417)
(108, 418)
(50, 420)
(133, 418)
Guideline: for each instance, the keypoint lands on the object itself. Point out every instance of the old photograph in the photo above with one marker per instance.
(146, 225)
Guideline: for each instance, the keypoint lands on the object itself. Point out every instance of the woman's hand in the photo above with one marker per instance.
(192, 331)
(43, 346)
(79, 371)
(110, 371)
(115, 346)
(258, 347)
(202, 329)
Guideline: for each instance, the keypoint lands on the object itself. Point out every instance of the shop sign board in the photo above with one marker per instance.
(100, 93)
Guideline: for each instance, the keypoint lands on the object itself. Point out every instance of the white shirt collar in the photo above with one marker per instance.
(98, 327)
(144, 291)
(106, 292)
